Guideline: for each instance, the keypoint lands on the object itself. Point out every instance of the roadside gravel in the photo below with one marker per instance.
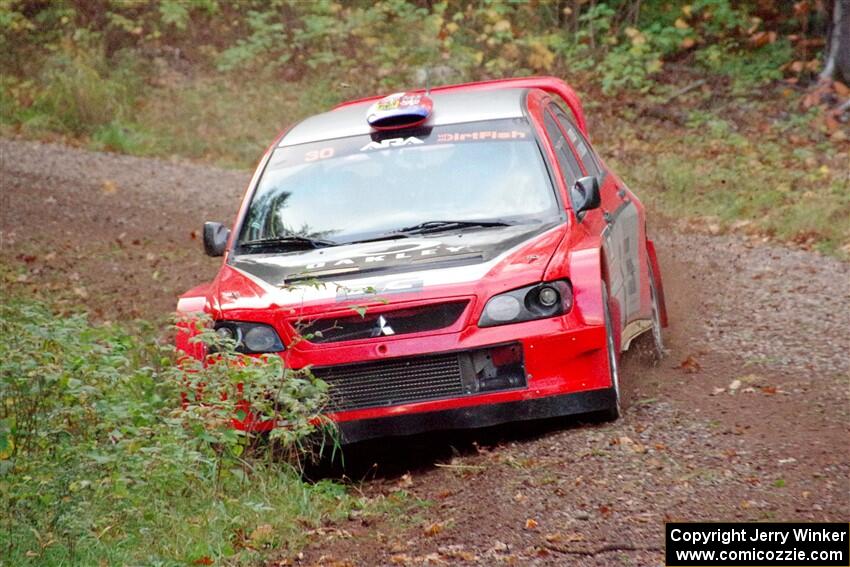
(770, 304)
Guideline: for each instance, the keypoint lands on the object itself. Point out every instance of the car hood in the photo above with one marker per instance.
(406, 265)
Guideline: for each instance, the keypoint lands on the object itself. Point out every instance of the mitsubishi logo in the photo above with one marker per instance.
(382, 328)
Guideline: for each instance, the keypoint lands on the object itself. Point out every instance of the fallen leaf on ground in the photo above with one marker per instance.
(690, 365)
(751, 378)
(630, 445)
(261, 534)
(531, 524)
(406, 481)
(458, 552)
(434, 529)
(109, 187)
(499, 547)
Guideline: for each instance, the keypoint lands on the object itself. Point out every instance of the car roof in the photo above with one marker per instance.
(449, 108)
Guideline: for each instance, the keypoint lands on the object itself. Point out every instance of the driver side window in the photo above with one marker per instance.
(567, 161)
(582, 146)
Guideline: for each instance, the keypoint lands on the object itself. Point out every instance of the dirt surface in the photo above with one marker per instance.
(747, 418)
(119, 234)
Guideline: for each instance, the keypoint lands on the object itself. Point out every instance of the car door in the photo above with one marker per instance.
(621, 235)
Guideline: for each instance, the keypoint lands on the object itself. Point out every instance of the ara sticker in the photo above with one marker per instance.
(391, 143)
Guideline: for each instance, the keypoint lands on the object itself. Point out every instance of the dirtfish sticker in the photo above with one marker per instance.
(479, 136)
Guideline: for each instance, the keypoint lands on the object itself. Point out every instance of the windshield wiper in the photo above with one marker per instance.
(387, 236)
(288, 240)
(442, 225)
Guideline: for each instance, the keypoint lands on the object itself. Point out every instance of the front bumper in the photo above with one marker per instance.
(561, 359)
(478, 416)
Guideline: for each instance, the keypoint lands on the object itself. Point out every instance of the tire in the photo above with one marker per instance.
(613, 412)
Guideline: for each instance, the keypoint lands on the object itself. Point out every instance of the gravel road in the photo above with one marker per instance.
(746, 419)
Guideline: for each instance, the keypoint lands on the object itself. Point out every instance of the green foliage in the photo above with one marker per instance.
(747, 69)
(716, 175)
(99, 463)
(76, 92)
(227, 384)
(379, 44)
(84, 72)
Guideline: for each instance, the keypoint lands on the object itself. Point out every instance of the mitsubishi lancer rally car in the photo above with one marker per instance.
(455, 258)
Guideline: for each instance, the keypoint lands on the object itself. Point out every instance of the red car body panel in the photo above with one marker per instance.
(562, 355)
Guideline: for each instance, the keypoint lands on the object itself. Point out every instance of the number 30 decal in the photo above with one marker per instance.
(324, 153)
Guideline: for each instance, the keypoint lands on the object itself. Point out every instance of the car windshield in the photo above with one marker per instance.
(363, 187)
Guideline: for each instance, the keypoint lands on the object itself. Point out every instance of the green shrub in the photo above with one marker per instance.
(81, 91)
(100, 463)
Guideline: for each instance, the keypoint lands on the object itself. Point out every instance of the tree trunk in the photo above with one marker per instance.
(837, 65)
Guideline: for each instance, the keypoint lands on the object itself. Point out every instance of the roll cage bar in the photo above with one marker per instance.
(551, 85)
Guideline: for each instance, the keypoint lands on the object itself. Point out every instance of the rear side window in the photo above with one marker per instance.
(582, 146)
(566, 158)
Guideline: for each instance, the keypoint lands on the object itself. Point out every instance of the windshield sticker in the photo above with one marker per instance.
(392, 143)
(506, 130)
(480, 136)
(324, 153)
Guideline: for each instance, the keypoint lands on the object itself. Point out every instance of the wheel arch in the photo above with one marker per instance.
(588, 270)
(656, 276)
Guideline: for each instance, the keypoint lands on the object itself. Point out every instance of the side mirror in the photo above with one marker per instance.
(585, 194)
(215, 238)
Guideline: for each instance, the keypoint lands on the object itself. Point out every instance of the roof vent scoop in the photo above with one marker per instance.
(399, 110)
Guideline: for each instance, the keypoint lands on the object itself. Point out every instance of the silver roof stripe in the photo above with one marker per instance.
(449, 108)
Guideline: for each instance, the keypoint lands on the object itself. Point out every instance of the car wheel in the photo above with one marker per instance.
(615, 410)
(657, 339)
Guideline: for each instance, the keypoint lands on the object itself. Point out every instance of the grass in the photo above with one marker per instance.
(269, 513)
(130, 108)
(748, 179)
(99, 464)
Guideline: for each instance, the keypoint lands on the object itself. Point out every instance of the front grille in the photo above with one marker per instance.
(392, 382)
(403, 321)
(405, 380)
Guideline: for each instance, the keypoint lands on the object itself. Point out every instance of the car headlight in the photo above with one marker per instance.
(251, 338)
(537, 301)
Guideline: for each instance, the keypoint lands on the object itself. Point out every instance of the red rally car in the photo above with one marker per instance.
(447, 259)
